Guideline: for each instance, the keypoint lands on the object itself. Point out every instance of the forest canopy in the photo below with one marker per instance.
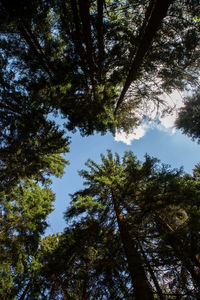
(97, 61)
(100, 65)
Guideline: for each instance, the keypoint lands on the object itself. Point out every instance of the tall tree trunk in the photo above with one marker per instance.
(87, 34)
(111, 288)
(142, 288)
(78, 40)
(157, 13)
(100, 37)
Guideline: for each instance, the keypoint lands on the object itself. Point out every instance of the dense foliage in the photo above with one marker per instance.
(189, 117)
(156, 212)
(97, 62)
(133, 231)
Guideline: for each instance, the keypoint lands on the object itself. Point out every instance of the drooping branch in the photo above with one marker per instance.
(40, 50)
(158, 12)
(34, 49)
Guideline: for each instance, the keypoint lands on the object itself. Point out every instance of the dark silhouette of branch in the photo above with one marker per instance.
(156, 15)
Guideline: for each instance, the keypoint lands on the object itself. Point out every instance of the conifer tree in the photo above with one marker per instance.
(104, 198)
(85, 262)
(30, 144)
(22, 222)
(98, 62)
(188, 119)
(133, 231)
(153, 208)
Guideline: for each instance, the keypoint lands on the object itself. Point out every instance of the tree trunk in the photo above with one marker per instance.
(159, 291)
(142, 288)
(111, 288)
(87, 35)
(157, 13)
(100, 37)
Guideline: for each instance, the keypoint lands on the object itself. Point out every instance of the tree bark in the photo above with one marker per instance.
(142, 288)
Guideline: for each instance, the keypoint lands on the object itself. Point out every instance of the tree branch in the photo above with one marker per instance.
(159, 11)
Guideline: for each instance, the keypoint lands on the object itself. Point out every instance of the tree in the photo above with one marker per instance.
(133, 231)
(188, 119)
(95, 63)
(153, 208)
(83, 263)
(30, 144)
(98, 62)
(179, 228)
(166, 205)
(23, 221)
(104, 199)
(26, 201)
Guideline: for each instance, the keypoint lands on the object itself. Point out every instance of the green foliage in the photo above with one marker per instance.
(29, 144)
(85, 260)
(78, 59)
(189, 116)
(23, 219)
(160, 207)
(96, 63)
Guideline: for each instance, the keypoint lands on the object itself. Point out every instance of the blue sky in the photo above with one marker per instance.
(171, 148)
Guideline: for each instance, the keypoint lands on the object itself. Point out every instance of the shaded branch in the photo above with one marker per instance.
(34, 49)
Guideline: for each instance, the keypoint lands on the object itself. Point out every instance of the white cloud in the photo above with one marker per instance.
(135, 134)
(167, 120)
